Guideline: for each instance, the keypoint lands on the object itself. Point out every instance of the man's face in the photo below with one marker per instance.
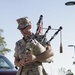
(25, 31)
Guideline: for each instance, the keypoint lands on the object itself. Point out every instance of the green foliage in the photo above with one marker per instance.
(3, 49)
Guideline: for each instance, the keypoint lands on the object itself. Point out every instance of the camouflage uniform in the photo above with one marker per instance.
(33, 68)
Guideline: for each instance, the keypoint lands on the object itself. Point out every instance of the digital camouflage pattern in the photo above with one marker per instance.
(34, 68)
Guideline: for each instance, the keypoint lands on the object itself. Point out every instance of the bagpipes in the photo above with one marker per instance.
(36, 44)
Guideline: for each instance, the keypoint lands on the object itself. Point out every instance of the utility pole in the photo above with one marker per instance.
(74, 52)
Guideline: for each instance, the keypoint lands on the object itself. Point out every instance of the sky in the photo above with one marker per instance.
(55, 13)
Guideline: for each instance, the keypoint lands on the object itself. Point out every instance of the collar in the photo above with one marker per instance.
(31, 37)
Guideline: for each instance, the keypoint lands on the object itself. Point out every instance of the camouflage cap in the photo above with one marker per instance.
(23, 22)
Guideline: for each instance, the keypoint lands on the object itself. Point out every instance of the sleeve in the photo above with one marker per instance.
(16, 54)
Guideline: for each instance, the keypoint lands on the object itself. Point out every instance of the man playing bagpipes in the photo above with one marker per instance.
(30, 52)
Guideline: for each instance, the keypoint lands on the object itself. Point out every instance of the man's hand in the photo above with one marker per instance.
(22, 62)
(30, 58)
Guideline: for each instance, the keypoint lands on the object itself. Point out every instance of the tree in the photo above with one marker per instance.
(3, 49)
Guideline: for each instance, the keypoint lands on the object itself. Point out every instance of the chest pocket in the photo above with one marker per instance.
(22, 51)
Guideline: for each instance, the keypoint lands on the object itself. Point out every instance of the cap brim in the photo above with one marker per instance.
(22, 26)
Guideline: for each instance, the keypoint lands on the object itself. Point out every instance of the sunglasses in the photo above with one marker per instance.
(23, 28)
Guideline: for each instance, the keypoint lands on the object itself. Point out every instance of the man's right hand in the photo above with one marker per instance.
(22, 62)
